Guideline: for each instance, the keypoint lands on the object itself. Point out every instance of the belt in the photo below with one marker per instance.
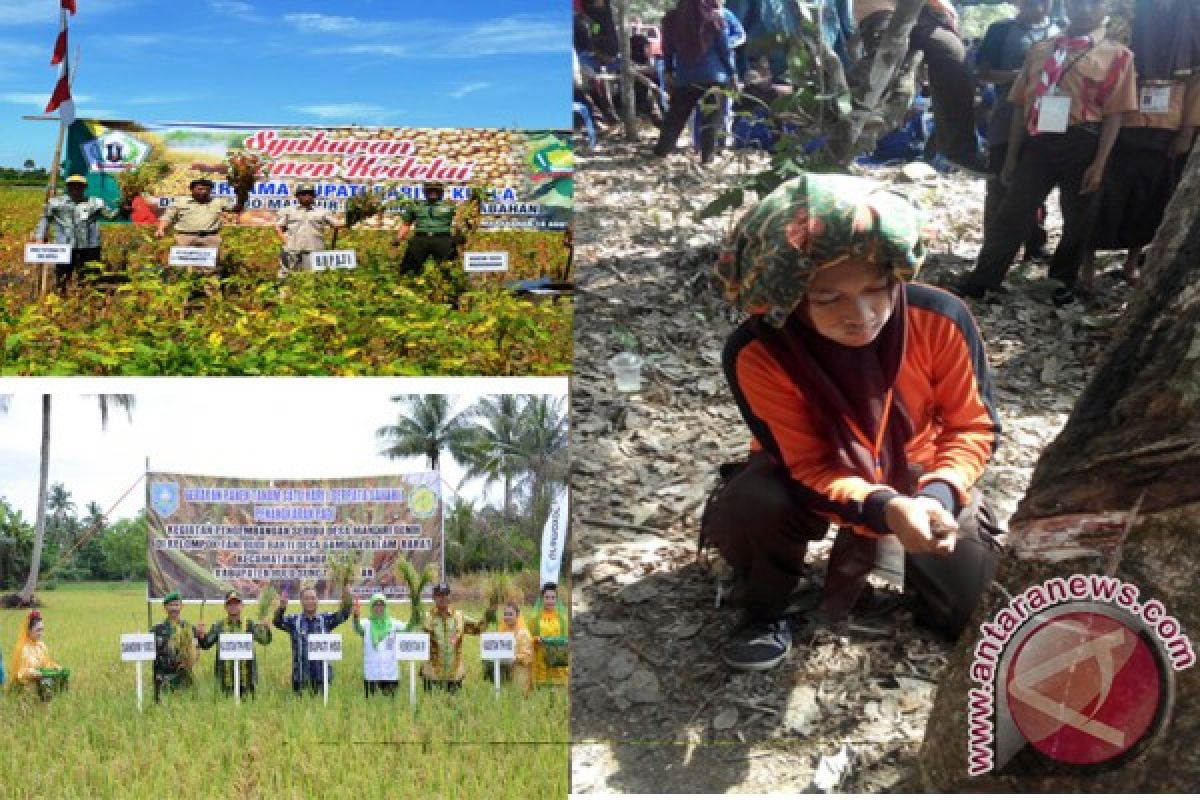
(198, 233)
(422, 233)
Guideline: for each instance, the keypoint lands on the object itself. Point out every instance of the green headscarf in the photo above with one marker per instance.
(809, 223)
(381, 624)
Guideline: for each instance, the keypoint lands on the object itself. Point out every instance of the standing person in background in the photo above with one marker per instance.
(301, 228)
(175, 649)
(549, 628)
(381, 670)
(308, 674)
(429, 228)
(1155, 140)
(196, 219)
(233, 623)
(75, 218)
(1073, 92)
(698, 59)
(936, 35)
(446, 627)
(1000, 58)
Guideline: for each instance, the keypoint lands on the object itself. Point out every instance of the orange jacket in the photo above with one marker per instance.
(943, 383)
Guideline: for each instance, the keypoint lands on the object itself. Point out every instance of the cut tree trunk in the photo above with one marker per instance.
(853, 132)
(1132, 441)
(39, 536)
(628, 105)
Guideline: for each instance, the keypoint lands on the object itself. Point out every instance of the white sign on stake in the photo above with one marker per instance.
(486, 261)
(497, 647)
(319, 260)
(325, 647)
(412, 647)
(137, 647)
(236, 647)
(47, 254)
(193, 257)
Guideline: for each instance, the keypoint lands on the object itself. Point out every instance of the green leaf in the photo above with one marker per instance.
(725, 201)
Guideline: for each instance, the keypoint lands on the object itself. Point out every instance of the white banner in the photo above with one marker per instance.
(235, 647)
(47, 254)
(554, 539)
(137, 647)
(497, 646)
(319, 260)
(481, 261)
(412, 646)
(193, 257)
(324, 647)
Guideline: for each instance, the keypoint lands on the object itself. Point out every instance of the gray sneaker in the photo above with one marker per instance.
(758, 645)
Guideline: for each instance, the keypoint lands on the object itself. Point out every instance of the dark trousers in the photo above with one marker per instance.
(79, 257)
(387, 688)
(762, 526)
(441, 246)
(1047, 160)
(949, 78)
(997, 191)
(449, 686)
(679, 109)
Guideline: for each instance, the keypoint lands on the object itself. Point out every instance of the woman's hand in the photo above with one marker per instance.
(922, 525)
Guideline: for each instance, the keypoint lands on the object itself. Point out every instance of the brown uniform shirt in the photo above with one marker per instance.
(304, 229)
(1182, 109)
(188, 216)
(1082, 82)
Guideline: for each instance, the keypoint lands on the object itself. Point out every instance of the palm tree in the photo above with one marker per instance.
(62, 513)
(425, 427)
(106, 402)
(543, 445)
(493, 452)
(460, 534)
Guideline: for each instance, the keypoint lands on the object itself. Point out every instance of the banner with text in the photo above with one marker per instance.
(529, 174)
(208, 535)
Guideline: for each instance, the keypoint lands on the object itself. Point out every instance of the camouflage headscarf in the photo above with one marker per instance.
(809, 223)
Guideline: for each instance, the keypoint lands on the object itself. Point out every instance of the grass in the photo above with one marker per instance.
(92, 743)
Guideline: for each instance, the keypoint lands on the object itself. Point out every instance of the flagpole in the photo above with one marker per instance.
(44, 283)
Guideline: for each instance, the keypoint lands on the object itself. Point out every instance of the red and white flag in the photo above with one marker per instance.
(69, 5)
(60, 46)
(61, 100)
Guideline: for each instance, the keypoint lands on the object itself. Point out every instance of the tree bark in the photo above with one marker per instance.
(1132, 441)
(869, 94)
(628, 109)
(39, 536)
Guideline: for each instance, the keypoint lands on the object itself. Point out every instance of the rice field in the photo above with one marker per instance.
(92, 742)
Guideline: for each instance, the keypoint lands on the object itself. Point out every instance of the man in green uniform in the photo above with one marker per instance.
(301, 228)
(233, 623)
(175, 652)
(75, 218)
(429, 228)
(197, 219)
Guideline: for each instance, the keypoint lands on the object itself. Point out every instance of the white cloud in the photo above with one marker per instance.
(325, 23)
(468, 88)
(21, 51)
(237, 9)
(387, 50)
(155, 100)
(340, 111)
(520, 33)
(37, 98)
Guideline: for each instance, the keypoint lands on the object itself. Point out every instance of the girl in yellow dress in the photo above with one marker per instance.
(549, 630)
(33, 669)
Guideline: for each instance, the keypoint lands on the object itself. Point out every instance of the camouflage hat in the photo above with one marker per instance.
(201, 182)
(232, 597)
(809, 223)
(305, 188)
(77, 179)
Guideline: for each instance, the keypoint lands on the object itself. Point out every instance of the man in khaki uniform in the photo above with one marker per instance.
(197, 219)
(301, 229)
(73, 220)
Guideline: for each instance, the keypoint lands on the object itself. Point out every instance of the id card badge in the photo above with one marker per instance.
(1154, 99)
(1054, 112)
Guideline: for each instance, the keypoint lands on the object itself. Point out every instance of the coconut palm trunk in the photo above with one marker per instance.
(39, 534)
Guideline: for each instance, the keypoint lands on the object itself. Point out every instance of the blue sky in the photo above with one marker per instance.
(454, 63)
